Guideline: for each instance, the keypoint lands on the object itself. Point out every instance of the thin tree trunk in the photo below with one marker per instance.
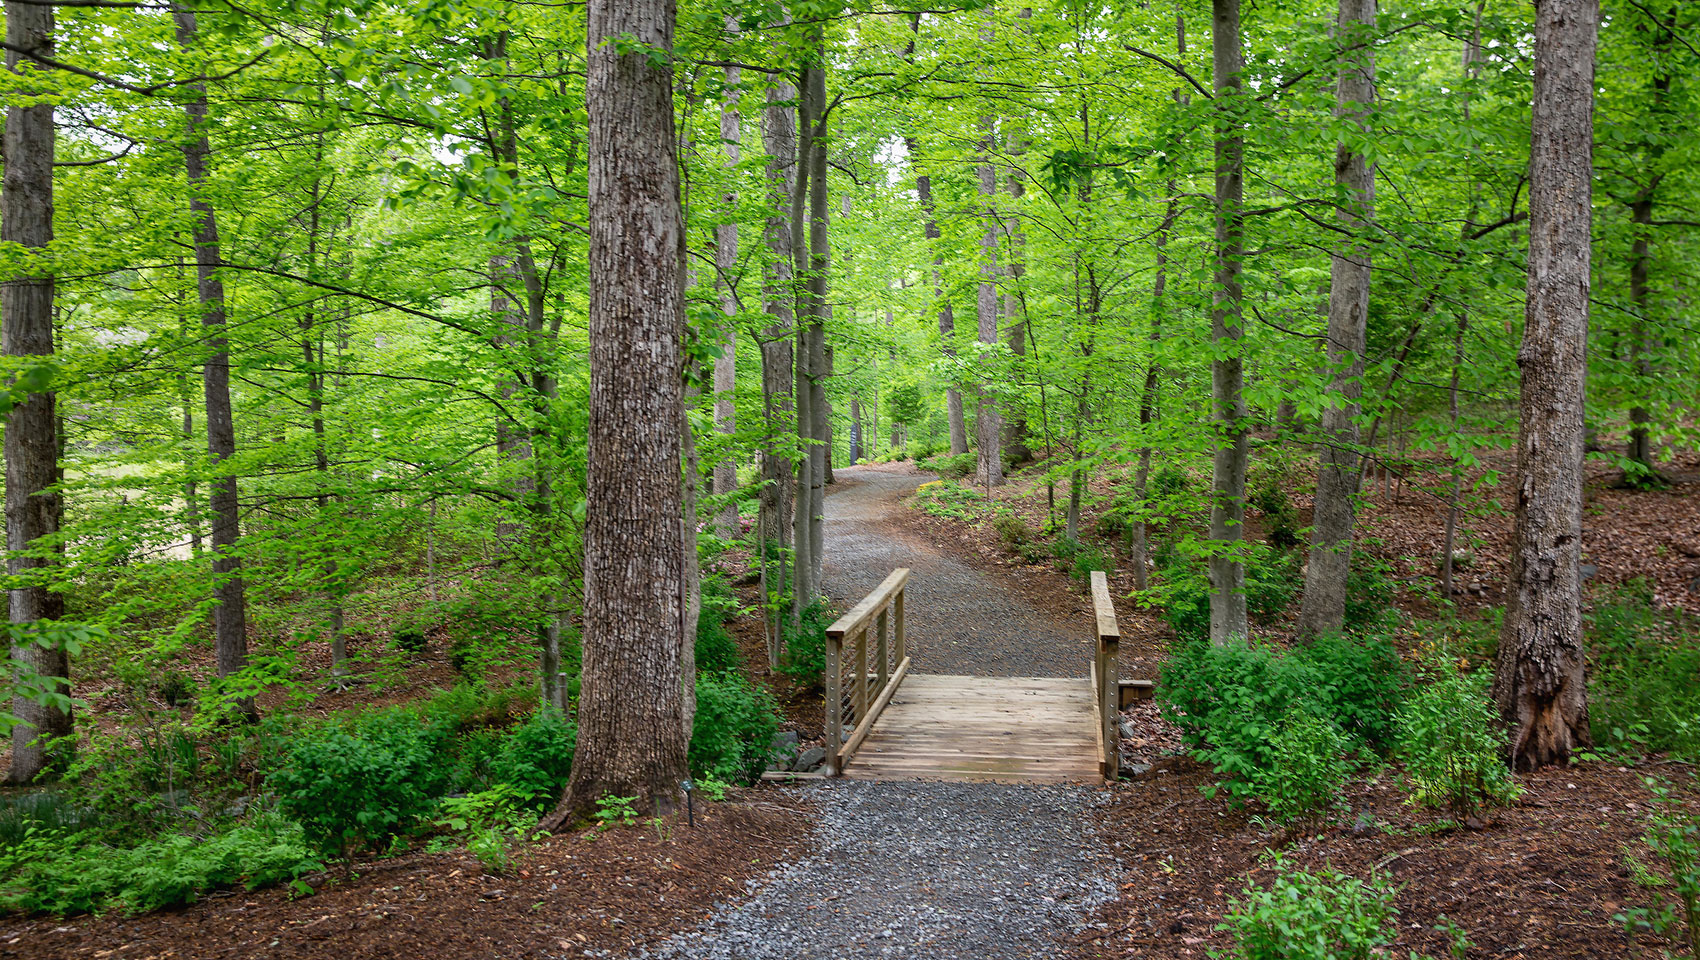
(819, 368)
(1472, 69)
(230, 614)
(947, 315)
(1323, 608)
(34, 507)
(1227, 377)
(631, 715)
(988, 425)
(1540, 685)
(725, 265)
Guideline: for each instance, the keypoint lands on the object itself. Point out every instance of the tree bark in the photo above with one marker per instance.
(631, 717)
(34, 507)
(1540, 685)
(231, 613)
(1227, 376)
(1323, 608)
(779, 122)
(988, 425)
(947, 315)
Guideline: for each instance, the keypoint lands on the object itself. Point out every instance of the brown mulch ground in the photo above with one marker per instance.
(578, 894)
(1542, 879)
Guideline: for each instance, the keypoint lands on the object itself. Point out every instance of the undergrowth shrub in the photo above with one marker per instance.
(1011, 529)
(951, 468)
(1312, 916)
(1310, 760)
(733, 730)
(803, 657)
(536, 757)
(1642, 690)
(951, 500)
(1278, 514)
(1369, 590)
(49, 872)
(1451, 742)
(1673, 836)
(716, 649)
(1271, 581)
(361, 786)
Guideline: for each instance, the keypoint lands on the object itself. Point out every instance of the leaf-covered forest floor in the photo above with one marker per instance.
(1543, 878)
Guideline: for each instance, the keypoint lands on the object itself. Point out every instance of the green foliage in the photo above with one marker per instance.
(50, 872)
(1271, 581)
(1369, 590)
(1269, 499)
(716, 649)
(1673, 836)
(1312, 916)
(1011, 529)
(1642, 690)
(734, 728)
(360, 787)
(410, 639)
(1267, 719)
(537, 757)
(491, 822)
(951, 468)
(613, 811)
(803, 658)
(951, 500)
(1182, 589)
(1451, 743)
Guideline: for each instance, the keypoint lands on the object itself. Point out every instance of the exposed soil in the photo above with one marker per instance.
(581, 894)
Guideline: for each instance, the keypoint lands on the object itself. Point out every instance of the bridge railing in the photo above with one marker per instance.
(867, 656)
(1106, 677)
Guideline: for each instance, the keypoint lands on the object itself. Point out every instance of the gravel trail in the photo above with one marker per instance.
(959, 620)
(945, 871)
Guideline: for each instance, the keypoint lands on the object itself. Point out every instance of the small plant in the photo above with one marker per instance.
(734, 727)
(716, 650)
(360, 787)
(1450, 741)
(409, 639)
(613, 811)
(950, 468)
(713, 789)
(492, 847)
(1312, 916)
(1369, 589)
(536, 758)
(1309, 762)
(803, 658)
(1673, 835)
(951, 500)
(1010, 528)
(1642, 694)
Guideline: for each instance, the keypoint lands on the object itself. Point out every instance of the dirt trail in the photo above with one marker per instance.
(959, 619)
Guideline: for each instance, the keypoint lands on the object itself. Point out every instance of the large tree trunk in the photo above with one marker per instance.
(947, 316)
(1540, 684)
(779, 123)
(726, 265)
(34, 507)
(631, 717)
(1227, 377)
(988, 425)
(230, 615)
(1323, 608)
(809, 210)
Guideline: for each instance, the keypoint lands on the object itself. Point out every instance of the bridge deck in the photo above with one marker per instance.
(1032, 729)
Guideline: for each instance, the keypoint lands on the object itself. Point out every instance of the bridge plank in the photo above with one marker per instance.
(1010, 729)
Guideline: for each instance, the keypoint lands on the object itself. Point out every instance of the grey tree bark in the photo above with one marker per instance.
(947, 315)
(726, 265)
(1227, 376)
(988, 424)
(779, 122)
(1323, 608)
(1540, 684)
(34, 508)
(631, 720)
(812, 265)
(230, 616)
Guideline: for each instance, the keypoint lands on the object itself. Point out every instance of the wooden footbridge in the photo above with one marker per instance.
(886, 723)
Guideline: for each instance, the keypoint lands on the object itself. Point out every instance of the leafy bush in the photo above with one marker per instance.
(1450, 740)
(1271, 581)
(804, 657)
(716, 649)
(1235, 703)
(951, 468)
(1369, 590)
(360, 787)
(1642, 693)
(1310, 762)
(1282, 520)
(537, 757)
(1088, 558)
(1183, 592)
(1011, 529)
(951, 500)
(1312, 916)
(68, 874)
(734, 728)
(1673, 835)
(410, 639)
(1170, 481)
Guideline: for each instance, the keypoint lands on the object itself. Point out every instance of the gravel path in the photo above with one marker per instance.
(951, 871)
(959, 620)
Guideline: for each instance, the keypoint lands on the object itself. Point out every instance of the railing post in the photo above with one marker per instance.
(1107, 673)
(881, 651)
(861, 674)
(834, 702)
(897, 628)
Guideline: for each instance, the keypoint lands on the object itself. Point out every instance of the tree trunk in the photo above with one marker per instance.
(726, 265)
(1227, 377)
(814, 96)
(631, 721)
(1014, 309)
(988, 425)
(230, 615)
(34, 508)
(779, 138)
(1323, 608)
(513, 443)
(947, 316)
(1539, 685)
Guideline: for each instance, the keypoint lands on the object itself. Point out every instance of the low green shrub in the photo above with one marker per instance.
(951, 468)
(1310, 760)
(72, 873)
(1451, 743)
(1271, 581)
(1011, 529)
(537, 757)
(716, 649)
(409, 639)
(1369, 591)
(1362, 680)
(1279, 516)
(1642, 690)
(951, 500)
(1673, 836)
(1087, 558)
(734, 728)
(803, 657)
(361, 786)
(1312, 916)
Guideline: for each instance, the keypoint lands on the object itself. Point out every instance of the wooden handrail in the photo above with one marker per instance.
(1106, 677)
(871, 685)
